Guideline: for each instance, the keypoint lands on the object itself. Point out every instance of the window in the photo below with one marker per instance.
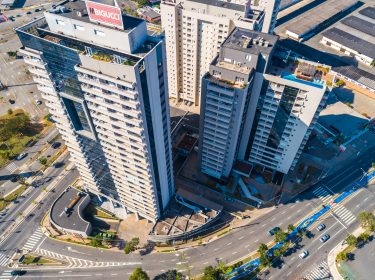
(78, 27)
(60, 22)
(99, 33)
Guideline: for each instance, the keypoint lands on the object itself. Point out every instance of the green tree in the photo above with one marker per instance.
(169, 275)
(43, 160)
(139, 274)
(96, 242)
(265, 260)
(363, 237)
(131, 245)
(262, 249)
(280, 236)
(367, 220)
(277, 253)
(212, 273)
(142, 3)
(10, 111)
(342, 256)
(351, 240)
(291, 227)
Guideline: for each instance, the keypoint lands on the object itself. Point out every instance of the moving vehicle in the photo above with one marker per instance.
(304, 254)
(21, 156)
(321, 227)
(271, 232)
(324, 238)
(11, 101)
(18, 272)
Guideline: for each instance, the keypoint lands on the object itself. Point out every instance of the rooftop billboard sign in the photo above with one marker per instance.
(104, 14)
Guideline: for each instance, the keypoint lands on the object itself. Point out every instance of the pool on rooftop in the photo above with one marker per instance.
(292, 77)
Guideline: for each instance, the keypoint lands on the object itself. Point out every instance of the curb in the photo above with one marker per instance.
(331, 259)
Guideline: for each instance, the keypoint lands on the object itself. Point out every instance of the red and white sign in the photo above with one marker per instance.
(104, 14)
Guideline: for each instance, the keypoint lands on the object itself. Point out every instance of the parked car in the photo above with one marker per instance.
(321, 227)
(11, 101)
(12, 18)
(21, 156)
(38, 102)
(37, 10)
(271, 232)
(29, 12)
(56, 145)
(324, 238)
(304, 254)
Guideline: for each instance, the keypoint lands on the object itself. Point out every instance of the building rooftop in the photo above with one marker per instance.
(360, 24)
(342, 118)
(77, 10)
(71, 219)
(306, 22)
(350, 41)
(356, 74)
(368, 12)
(253, 42)
(221, 4)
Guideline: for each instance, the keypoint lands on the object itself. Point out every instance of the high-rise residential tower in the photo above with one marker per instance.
(270, 9)
(194, 31)
(228, 102)
(104, 82)
(288, 109)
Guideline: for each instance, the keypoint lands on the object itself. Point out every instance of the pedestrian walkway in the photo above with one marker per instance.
(81, 263)
(33, 240)
(321, 271)
(11, 167)
(4, 260)
(344, 214)
(323, 194)
(6, 275)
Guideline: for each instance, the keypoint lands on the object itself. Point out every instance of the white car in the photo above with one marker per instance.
(304, 254)
(21, 156)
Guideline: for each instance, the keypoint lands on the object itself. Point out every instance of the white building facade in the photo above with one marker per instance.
(106, 88)
(194, 31)
(289, 109)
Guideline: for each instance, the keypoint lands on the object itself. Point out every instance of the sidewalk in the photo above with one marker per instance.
(334, 252)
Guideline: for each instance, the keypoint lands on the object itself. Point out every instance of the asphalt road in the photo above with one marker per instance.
(18, 237)
(234, 245)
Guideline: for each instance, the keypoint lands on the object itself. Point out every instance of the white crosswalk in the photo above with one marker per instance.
(33, 240)
(6, 275)
(323, 194)
(77, 263)
(11, 167)
(4, 260)
(321, 271)
(344, 214)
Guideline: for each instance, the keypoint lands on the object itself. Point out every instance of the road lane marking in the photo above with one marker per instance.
(242, 237)
(329, 239)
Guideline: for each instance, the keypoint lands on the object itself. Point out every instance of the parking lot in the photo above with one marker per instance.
(21, 91)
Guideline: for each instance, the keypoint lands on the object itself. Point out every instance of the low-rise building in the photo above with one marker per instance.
(354, 36)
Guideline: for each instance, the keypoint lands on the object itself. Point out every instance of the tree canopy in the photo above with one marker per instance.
(139, 274)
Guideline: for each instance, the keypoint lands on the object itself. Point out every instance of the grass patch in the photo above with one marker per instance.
(96, 212)
(17, 132)
(53, 158)
(223, 232)
(36, 260)
(12, 196)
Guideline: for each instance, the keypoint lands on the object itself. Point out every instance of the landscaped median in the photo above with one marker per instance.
(343, 252)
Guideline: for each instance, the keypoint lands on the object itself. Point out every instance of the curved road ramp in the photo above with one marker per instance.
(66, 213)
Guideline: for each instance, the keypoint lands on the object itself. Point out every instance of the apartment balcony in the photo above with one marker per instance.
(84, 78)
